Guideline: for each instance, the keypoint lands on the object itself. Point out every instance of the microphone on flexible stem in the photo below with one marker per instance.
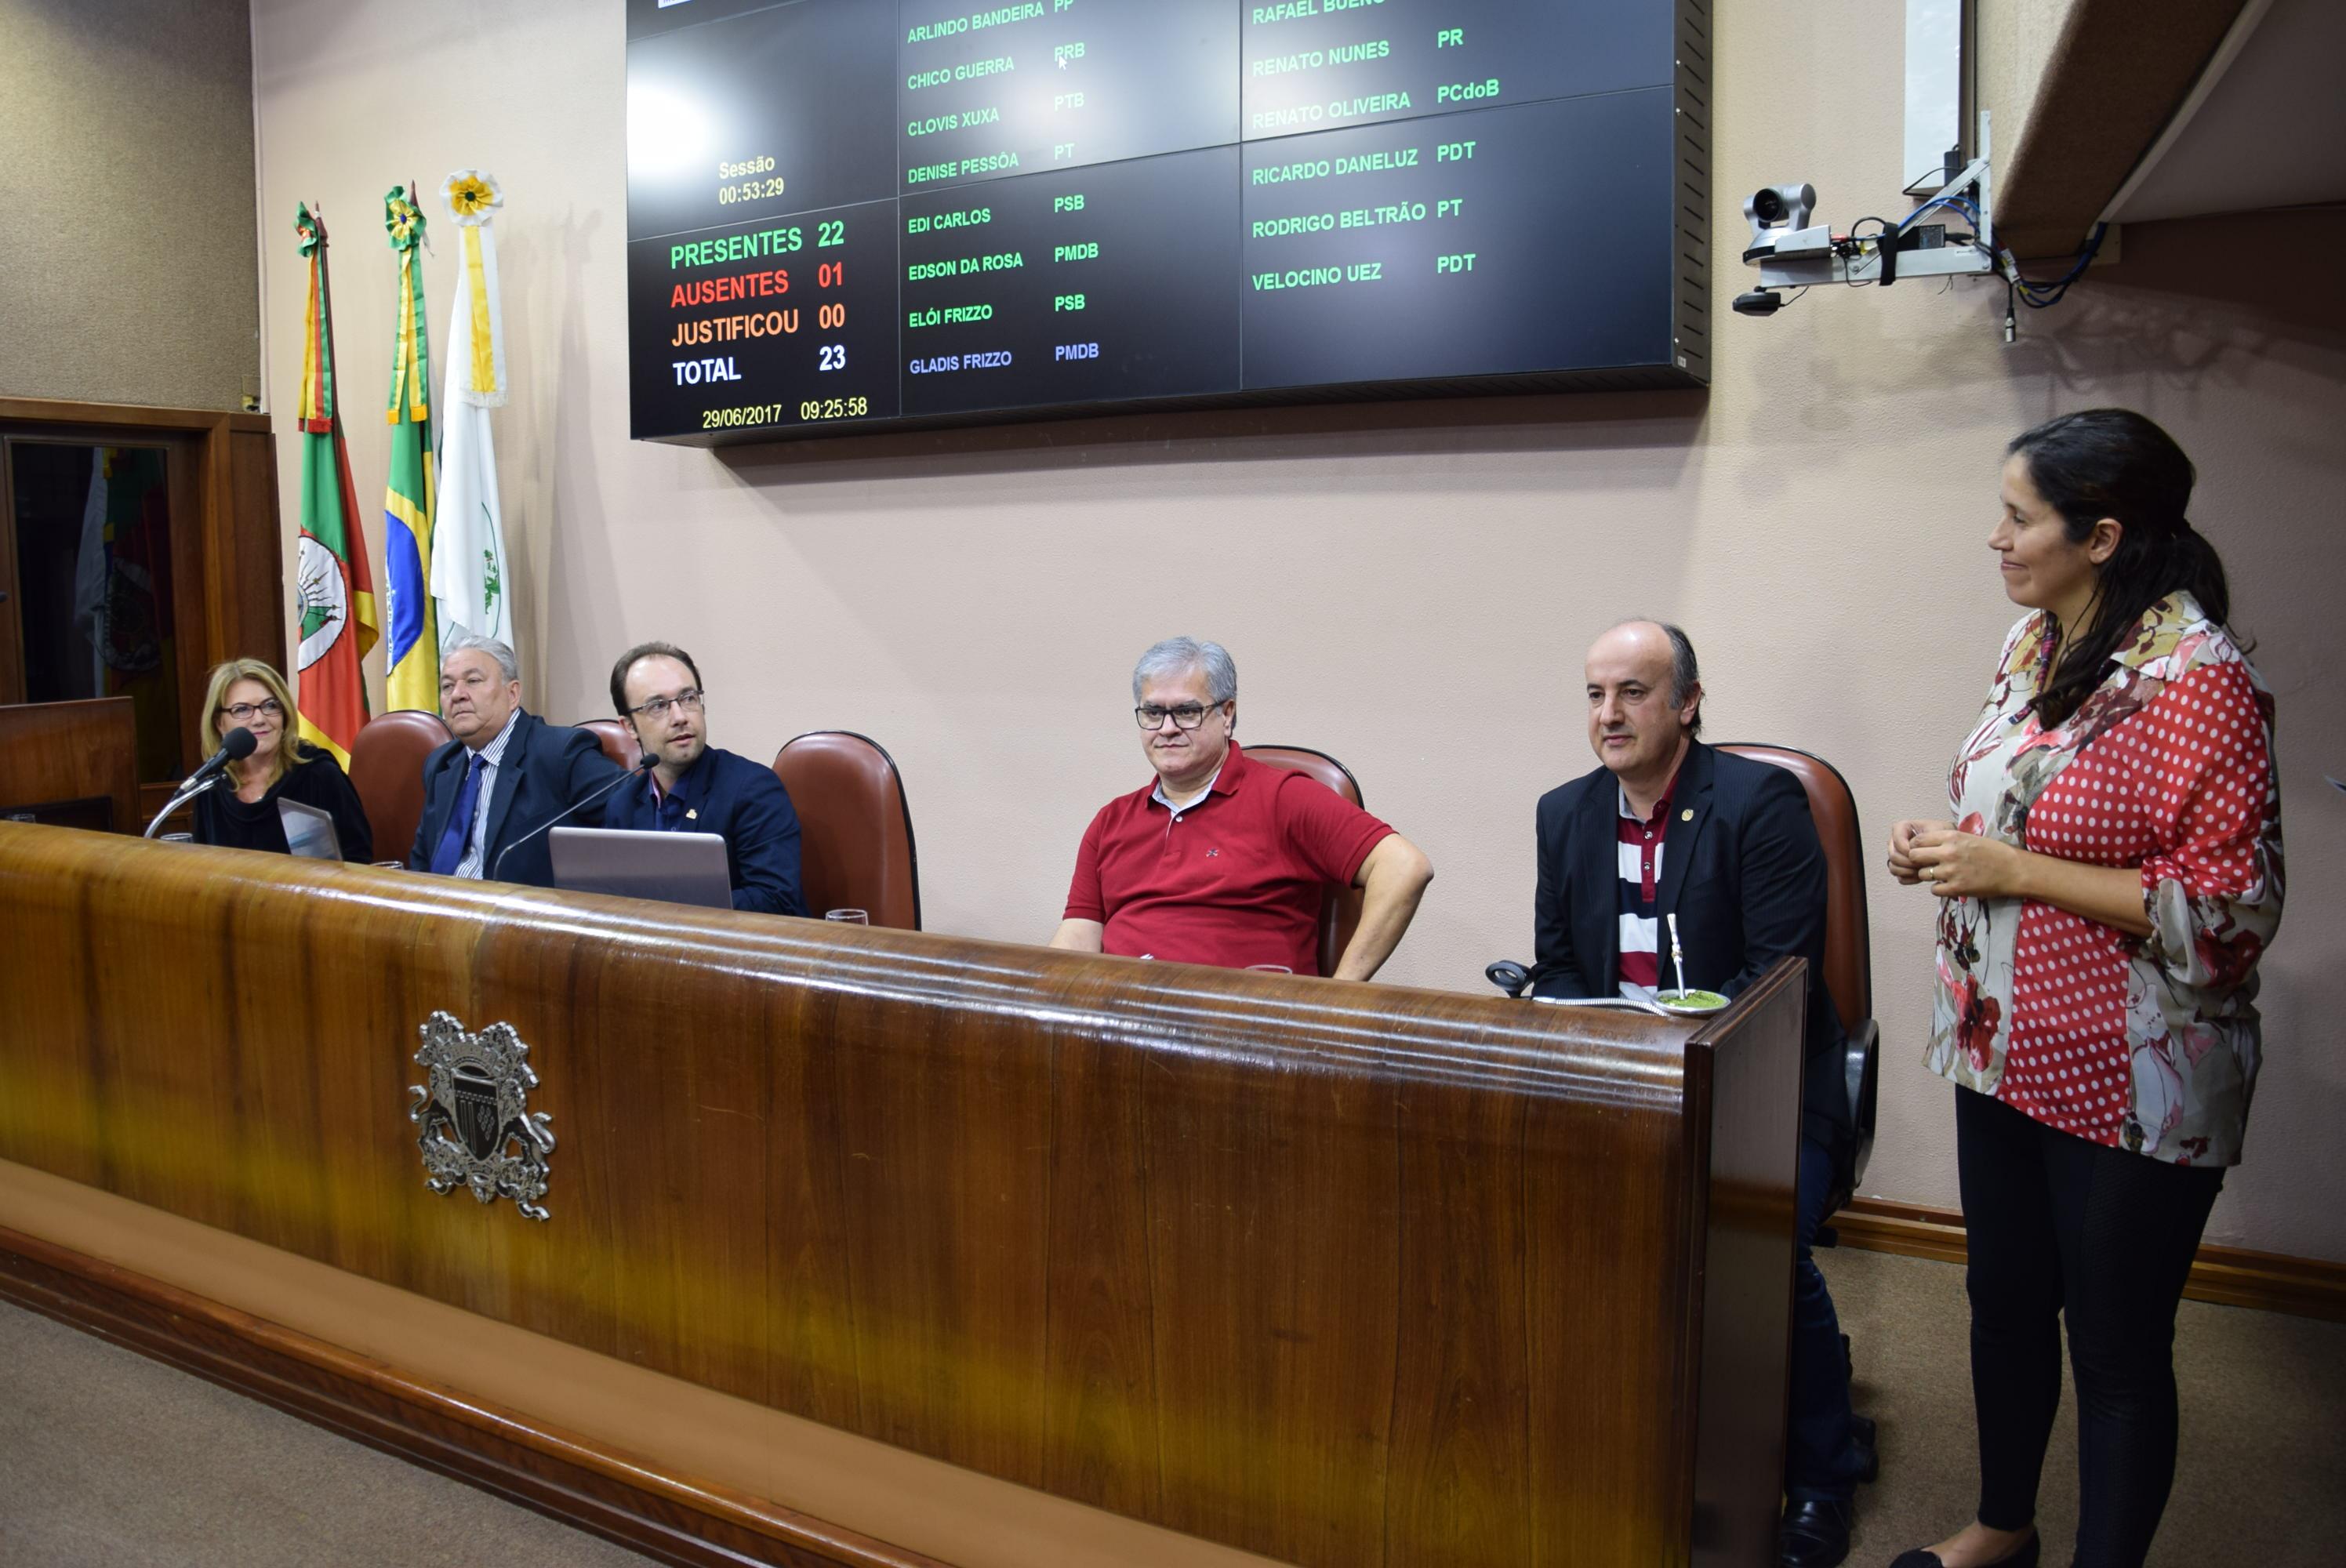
(235, 747)
(639, 770)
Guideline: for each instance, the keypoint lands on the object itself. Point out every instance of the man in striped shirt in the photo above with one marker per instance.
(1645, 709)
(505, 778)
(1670, 827)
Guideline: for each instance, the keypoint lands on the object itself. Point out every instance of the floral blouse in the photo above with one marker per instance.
(2147, 1043)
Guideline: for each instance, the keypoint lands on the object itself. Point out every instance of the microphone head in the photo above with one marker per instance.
(239, 744)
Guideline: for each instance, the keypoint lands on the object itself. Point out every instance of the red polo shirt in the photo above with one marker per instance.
(1234, 879)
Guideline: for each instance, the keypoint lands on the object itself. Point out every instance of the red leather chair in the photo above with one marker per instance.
(1849, 953)
(387, 770)
(618, 740)
(1339, 910)
(856, 829)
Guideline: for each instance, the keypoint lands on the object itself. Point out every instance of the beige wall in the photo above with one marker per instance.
(127, 271)
(1411, 588)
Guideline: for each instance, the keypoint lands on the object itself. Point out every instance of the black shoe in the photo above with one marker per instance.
(1861, 1429)
(1814, 1534)
(1918, 1558)
(1860, 1437)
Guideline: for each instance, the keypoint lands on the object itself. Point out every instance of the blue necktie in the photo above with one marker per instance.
(450, 853)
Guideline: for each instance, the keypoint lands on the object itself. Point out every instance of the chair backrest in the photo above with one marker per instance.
(1848, 956)
(387, 770)
(1339, 910)
(856, 829)
(617, 739)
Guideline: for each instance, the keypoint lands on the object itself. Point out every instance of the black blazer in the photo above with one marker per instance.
(544, 769)
(1743, 870)
(739, 801)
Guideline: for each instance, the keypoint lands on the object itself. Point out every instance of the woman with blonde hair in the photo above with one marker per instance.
(241, 813)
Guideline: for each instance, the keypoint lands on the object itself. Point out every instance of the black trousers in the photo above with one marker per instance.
(1822, 1458)
(2104, 1239)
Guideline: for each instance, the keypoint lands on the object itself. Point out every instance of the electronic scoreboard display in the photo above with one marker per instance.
(871, 214)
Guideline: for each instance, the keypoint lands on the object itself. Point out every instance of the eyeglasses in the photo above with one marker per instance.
(686, 699)
(242, 712)
(1188, 716)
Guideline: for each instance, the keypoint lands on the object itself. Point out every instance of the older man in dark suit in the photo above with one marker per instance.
(506, 774)
(1668, 827)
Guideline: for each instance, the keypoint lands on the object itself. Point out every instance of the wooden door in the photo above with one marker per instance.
(105, 596)
(226, 593)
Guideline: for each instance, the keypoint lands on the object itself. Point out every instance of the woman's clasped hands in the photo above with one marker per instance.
(1952, 864)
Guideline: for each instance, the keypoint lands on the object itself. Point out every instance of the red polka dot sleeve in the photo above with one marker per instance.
(2211, 886)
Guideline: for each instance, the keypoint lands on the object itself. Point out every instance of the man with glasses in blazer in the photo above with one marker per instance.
(693, 787)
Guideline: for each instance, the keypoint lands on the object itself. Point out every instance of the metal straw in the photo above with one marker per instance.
(1678, 955)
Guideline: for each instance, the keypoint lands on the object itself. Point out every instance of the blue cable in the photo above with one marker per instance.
(2054, 291)
(2035, 295)
(1957, 202)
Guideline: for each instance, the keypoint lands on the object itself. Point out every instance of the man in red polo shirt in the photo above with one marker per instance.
(1222, 861)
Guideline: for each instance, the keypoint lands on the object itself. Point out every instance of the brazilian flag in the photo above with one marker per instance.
(333, 590)
(412, 679)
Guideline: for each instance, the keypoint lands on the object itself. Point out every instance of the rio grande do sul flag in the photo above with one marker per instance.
(411, 667)
(471, 591)
(333, 590)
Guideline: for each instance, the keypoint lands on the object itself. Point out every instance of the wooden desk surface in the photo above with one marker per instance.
(1337, 1274)
(52, 751)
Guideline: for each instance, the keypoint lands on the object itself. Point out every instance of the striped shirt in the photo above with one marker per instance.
(487, 760)
(1639, 841)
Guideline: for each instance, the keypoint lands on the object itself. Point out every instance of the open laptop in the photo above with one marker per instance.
(308, 832)
(681, 868)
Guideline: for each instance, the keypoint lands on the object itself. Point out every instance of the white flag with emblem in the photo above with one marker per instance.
(470, 586)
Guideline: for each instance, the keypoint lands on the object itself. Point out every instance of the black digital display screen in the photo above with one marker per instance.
(864, 214)
(1094, 284)
(1039, 86)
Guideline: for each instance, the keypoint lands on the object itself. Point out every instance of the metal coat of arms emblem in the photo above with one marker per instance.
(477, 1089)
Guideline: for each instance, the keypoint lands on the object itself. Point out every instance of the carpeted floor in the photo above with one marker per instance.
(2260, 1478)
(110, 1460)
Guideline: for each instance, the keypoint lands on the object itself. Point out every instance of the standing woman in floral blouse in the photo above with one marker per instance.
(2112, 876)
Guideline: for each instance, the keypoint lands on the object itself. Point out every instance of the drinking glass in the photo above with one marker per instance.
(853, 917)
(1271, 968)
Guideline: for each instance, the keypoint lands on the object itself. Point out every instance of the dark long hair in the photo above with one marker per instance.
(2113, 463)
